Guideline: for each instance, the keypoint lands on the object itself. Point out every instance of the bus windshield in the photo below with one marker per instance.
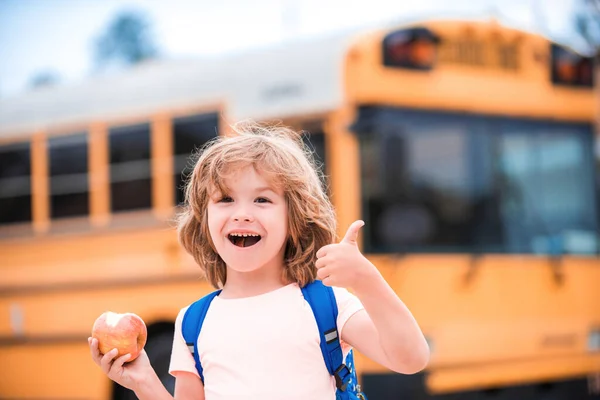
(465, 183)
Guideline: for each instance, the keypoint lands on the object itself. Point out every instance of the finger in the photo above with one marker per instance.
(117, 366)
(321, 262)
(94, 350)
(323, 273)
(107, 360)
(327, 281)
(352, 233)
(321, 253)
(323, 250)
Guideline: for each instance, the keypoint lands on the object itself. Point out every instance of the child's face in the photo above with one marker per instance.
(249, 225)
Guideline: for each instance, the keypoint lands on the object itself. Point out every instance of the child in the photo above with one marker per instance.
(260, 225)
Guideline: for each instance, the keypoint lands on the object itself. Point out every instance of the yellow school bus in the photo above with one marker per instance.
(466, 146)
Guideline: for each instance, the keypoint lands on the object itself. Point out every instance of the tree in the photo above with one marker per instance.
(44, 79)
(127, 40)
(587, 24)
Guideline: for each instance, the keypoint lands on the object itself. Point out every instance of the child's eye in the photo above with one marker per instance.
(262, 200)
(225, 199)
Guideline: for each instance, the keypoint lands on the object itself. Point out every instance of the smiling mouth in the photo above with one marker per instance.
(243, 240)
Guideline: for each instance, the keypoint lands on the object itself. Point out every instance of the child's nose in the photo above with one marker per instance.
(243, 216)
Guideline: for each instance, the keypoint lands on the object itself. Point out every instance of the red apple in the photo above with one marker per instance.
(125, 332)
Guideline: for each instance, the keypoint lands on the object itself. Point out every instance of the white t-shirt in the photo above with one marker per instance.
(263, 347)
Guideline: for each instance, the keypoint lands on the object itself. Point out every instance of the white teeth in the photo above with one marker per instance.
(244, 234)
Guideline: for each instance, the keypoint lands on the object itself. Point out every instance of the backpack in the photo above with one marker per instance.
(321, 299)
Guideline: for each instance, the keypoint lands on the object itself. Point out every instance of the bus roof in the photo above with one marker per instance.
(273, 82)
(302, 76)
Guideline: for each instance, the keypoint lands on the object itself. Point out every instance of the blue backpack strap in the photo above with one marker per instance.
(192, 323)
(322, 302)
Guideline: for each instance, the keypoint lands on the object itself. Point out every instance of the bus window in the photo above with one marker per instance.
(15, 183)
(461, 183)
(189, 134)
(416, 187)
(130, 178)
(69, 193)
(546, 178)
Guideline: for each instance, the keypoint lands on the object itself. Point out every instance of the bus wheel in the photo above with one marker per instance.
(158, 348)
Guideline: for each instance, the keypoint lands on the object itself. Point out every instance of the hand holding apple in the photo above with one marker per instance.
(125, 332)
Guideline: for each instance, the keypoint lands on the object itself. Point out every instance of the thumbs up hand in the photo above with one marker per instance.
(342, 264)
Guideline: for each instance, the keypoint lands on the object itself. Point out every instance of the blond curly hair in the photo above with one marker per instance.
(281, 156)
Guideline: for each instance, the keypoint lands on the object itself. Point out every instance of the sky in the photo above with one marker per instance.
(58, 35)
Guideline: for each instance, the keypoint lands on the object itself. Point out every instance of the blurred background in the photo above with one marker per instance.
(65, 42)
(463, 133)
